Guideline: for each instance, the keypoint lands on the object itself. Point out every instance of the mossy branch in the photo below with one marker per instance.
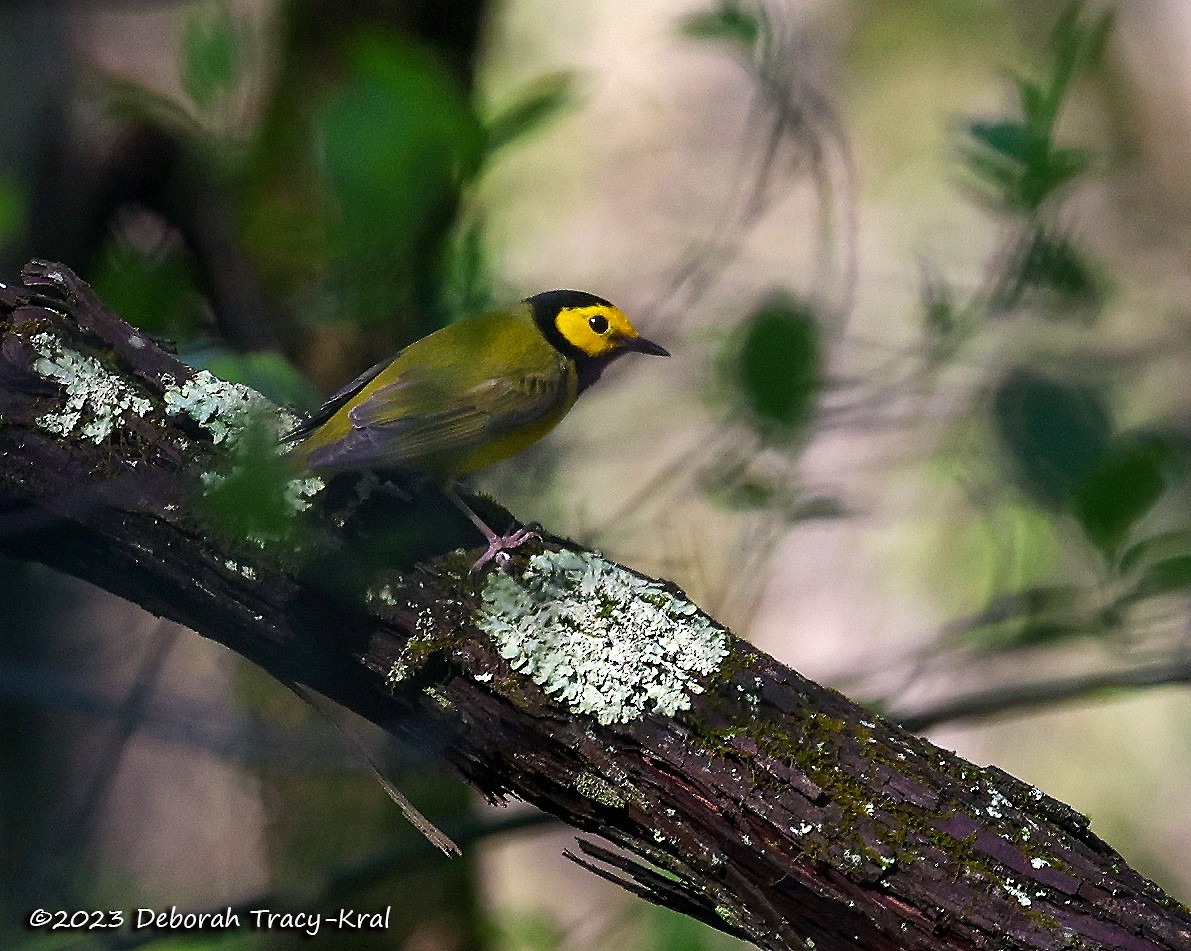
(741, 793)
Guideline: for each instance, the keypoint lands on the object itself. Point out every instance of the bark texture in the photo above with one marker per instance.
(737, 791)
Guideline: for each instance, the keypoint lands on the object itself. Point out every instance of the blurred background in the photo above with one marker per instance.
(926, 434)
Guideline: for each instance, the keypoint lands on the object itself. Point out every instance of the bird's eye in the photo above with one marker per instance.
(598, 324)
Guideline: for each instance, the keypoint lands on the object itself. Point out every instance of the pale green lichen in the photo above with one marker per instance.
(384, 594)
(227, 411)
(224, 409)
(1018, 893)
(97, 401)
(598, 790)
(219, 407)
(599, 638)
(246, 570)
(410, 660)
(398, 671)
(298, 492)
(997, 804)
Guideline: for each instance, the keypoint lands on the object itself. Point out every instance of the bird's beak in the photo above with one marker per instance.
(641, 345)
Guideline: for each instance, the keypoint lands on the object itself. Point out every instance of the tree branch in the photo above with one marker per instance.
(1039, 695)
(741, 793)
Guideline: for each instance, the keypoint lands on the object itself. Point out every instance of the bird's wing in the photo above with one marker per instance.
(335, 402)
(399, 421)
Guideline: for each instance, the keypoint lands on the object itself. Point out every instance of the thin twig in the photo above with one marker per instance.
(1038, 696)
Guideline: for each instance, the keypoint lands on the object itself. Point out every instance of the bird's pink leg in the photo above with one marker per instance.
(498, 545)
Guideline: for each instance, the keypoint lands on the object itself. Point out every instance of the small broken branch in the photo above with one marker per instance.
(740, 793)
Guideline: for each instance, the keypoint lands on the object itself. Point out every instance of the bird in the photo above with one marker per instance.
(469, 395)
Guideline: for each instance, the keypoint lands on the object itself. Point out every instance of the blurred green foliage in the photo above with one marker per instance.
(1055, 433)
(265, 371)
(731, 22)
(775, 367)
(1168, 576)
(771, 374)
(1051, 265)
(468, 283)
(667, 930)
(646, 927)
(1034, 617)
(523, 932)
(1133, 474)
(532, 109)
(738, 481)
(1017, 166)
(351, 188)
(246, 498)
(213, 54)
(400, 140)
(1055, 439)
(1064, 452)
(155, 290)
(1018, 160)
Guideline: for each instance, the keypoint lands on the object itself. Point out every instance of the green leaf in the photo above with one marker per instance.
(1034, 104)
(1032, 602)
(1019, 163)
(1129, 480)
(1007, 138)
(1163, 577)
(735, 488)
(1033, 633)
(212, 54)
(1051, 264)
(1096, 36)
(533, 108)
(777, 367)
(998, 183)
(1161, 547)
(1078, 46)
(1054, 433)
(729, 23)
(1060, 167)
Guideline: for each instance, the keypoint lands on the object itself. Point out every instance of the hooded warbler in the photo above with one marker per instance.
(471, 394)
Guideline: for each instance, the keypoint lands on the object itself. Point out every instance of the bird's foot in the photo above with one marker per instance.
(499, 547)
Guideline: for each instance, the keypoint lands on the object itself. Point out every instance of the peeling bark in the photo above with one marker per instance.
(739, 792)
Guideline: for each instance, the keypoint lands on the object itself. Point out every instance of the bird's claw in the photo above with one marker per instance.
(500, 546)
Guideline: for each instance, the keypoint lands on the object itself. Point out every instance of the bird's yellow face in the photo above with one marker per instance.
(597, 330)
